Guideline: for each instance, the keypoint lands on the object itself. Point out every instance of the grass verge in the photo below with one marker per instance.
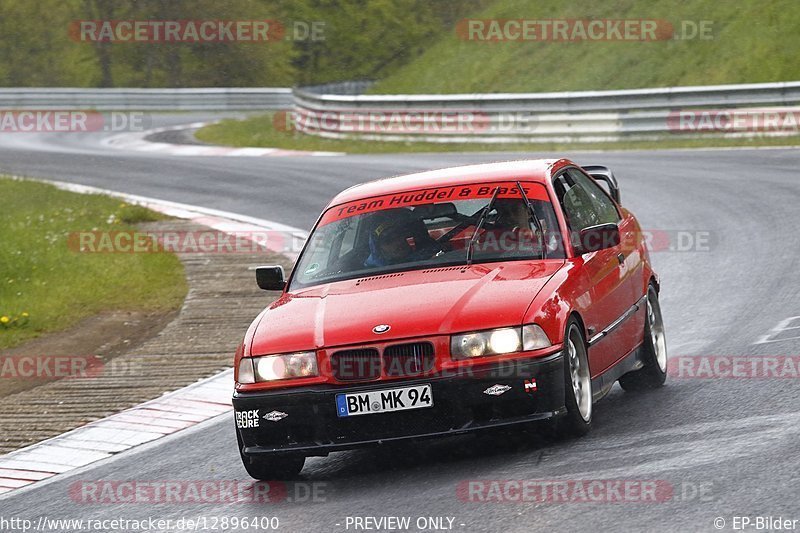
(259, 131)
(745, 42)
(45, 286)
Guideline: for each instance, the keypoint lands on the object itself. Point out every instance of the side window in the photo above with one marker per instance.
(584, 202)
(603, 206)
(576, 204)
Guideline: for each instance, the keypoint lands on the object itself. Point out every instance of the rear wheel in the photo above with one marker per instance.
(271, 467)
(654, 372)
(577, 385)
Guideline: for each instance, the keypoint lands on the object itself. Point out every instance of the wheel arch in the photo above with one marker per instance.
(655, 282)
(579, 319)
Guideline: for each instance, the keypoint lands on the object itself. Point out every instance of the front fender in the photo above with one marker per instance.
(554, 304)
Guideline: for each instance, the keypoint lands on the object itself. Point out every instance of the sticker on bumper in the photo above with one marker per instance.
(247, 419)
(497, 390)
(274, 416)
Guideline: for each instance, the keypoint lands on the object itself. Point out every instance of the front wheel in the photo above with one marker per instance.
(272, 468)
(577, 386)
(269, 468)
(654, 372)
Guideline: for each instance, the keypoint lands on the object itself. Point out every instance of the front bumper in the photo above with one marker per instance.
(460, 405)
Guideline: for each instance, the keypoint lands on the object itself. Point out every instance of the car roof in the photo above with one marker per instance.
(537, 170)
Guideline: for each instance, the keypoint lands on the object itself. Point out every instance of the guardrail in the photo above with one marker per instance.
(723, 110)
(203, 99)
(352, 87)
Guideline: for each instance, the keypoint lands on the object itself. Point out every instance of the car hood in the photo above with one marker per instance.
(413, 303)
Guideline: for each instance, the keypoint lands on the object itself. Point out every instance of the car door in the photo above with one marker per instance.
(607, 280)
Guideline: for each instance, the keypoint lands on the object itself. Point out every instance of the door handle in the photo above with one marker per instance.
(621, 258)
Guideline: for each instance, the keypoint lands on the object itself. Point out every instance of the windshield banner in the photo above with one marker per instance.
(475, 191)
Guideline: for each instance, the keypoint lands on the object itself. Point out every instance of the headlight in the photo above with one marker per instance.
(480, 343)
(276, 367)
(498, 341)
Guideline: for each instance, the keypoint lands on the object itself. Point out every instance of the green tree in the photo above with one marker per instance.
(361, 39)
(35, 46)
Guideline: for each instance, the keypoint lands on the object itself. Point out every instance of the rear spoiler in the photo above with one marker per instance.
(604, 174)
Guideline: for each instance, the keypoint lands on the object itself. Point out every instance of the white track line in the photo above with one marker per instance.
(117, 433)
(137, 142)
(152, 420)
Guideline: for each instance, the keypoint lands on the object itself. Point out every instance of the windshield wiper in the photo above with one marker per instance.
(479, 224)
(535, 219)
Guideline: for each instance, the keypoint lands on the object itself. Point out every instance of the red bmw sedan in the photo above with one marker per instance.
(448, 302)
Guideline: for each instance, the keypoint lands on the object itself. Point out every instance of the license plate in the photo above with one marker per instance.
(384, 401)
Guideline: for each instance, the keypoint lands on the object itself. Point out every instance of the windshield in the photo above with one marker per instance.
(428, 228)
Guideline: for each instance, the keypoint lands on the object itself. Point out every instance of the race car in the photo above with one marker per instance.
(447, 302)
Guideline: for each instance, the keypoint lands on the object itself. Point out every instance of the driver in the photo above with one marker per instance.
(388, 244)
(511, 231)
(512, 214)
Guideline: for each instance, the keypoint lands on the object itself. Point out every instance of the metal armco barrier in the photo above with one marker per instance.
(723, 110)
(203, 99)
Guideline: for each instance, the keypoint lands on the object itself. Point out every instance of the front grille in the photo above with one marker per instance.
(408, 359)
(356, 365)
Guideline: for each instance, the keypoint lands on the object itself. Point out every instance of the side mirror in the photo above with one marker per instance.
(604, 174)
(271, 278)
(596, 238)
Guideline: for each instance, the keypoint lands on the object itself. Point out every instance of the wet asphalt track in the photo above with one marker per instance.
(738, 439)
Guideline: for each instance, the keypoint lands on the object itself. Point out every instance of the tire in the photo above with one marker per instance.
(577, 386)
(279, 467)
(654, 372)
